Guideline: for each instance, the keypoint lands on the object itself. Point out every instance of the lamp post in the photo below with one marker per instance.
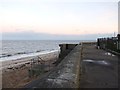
(118, 26)
(118, 42)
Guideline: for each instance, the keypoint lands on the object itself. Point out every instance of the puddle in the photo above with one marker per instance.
(101, 62)
(110, 54)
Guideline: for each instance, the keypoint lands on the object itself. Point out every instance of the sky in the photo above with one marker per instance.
(58, 18)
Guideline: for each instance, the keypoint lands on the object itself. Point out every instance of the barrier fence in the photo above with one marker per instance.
(111, 43)
(40, 66)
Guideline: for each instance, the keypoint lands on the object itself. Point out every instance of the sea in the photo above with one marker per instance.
(14, 49)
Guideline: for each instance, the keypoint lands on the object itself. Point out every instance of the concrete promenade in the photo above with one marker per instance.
(83, 67)
(99, 69)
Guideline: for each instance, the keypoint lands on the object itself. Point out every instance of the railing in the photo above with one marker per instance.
(112, 43)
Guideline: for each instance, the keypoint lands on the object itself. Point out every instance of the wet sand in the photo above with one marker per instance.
(15, 72)
(18, 62)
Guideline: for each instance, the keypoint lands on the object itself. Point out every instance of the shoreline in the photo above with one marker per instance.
(20, 56)
(17, 70)
(27, 59)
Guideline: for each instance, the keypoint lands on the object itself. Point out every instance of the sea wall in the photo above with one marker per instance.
(65, 49)
(64, 75)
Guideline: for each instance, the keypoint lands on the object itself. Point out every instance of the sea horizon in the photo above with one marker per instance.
(12, 49)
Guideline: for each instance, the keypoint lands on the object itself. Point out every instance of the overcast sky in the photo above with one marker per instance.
(58, 18)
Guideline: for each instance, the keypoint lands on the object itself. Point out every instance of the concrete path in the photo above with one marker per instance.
(99, 68)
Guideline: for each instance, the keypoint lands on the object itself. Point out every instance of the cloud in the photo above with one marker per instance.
(58, 18)
(45, 36)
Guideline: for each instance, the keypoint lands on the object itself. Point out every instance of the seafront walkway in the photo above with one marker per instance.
(99, 68)
(84, 67)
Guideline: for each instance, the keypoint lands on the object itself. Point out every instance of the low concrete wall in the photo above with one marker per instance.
(88, 43)
(65, 75)
(64, 51)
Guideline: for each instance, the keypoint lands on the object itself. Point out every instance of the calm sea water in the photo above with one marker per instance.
(10, 47)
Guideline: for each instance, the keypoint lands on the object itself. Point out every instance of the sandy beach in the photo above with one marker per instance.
(7, 64)
(17, 70)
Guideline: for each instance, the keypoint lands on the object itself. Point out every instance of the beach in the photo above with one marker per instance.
(15, 72)
(18, 57)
